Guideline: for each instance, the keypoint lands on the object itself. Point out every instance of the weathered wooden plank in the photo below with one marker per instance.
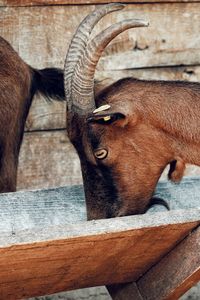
(56, 258)
(172, 38)
(43, 208)
(75, 2)
(187, 73)
(175, 273)
(30, 31)
(45, 115)
(47, 159)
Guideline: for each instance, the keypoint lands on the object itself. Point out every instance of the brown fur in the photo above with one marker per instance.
(18, 84)
(153, 124)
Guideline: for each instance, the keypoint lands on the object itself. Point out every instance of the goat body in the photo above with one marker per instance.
(18, 84)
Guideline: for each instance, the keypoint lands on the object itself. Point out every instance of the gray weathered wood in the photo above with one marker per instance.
(75, 2)
(30, 31)
(47, 207)
(47, 159)
(171, 39)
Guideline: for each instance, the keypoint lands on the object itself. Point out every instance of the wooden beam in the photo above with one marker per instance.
(175, 273)
(30, 31)
(76, 2)
(40, 261)
(170, 278)
(47, 247)
(47, 159)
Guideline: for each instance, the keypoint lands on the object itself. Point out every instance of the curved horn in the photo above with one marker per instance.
(83, 78)
(80, 39)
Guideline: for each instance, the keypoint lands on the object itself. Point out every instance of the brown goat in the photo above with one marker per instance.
(18, 84)
(138, 129)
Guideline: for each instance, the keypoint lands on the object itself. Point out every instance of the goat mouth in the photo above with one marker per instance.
(126, 211)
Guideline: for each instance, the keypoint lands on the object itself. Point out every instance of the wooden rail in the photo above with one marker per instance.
(78, 2)
(46, 246)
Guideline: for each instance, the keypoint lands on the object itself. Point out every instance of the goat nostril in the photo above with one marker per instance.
(101, 153)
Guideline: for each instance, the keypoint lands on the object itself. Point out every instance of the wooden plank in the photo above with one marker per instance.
(75, 2)
(30, 31)
(175, 273)
(187, 73)
(39, 208)
(56, 258)
(170, 278)
(29, 28)
(44, 209)
(47, 159)
(45, 115)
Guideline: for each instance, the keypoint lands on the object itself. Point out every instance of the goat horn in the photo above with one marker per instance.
(80, 39)
(83, 78)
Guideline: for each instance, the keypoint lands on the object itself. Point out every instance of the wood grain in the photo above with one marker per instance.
(175, 273)
(44, 260)
(45, 115)
(75, 2)
(170, 278)
(171, 39)
(47, 159)
(30, 31)
(44, 208)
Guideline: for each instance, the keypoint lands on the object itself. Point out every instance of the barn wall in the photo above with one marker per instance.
(40, 31)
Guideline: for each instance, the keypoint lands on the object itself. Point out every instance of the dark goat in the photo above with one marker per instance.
(138, 129)
(18, 84)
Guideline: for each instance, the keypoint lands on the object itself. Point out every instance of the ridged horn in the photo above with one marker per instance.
(80, 39)
(82, 86)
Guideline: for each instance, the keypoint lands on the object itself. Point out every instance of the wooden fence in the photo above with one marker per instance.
(46, 246)
(40, 31)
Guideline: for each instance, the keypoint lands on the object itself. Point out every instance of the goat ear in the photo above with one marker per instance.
(116, 118)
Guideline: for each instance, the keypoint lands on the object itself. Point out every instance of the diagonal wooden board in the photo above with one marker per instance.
(168, 279)
(45, 249)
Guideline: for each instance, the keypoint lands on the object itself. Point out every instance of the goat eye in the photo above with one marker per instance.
(101, 153)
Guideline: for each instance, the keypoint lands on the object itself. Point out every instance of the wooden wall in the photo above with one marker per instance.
(40, 31)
